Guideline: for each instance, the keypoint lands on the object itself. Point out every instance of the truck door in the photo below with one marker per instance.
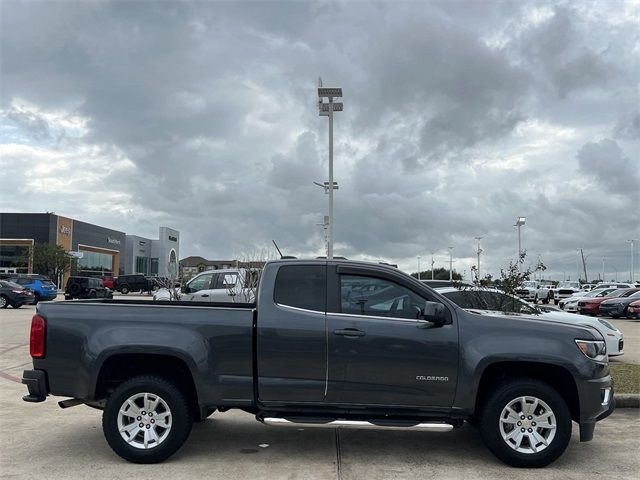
(380, 351)
(291, 334)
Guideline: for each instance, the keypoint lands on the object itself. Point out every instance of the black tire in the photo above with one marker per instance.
(37, 299)
(124, 289)
(74, 289)
(16, 305)
(92, 294)
(4, 301)
(505, 393)
(182, 419)
(556, 302)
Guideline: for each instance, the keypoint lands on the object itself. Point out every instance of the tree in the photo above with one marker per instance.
(48, 259)
(513, 277)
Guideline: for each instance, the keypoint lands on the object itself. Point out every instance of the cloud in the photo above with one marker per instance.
(202, 116)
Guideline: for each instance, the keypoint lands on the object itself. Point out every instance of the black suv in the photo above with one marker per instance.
(86, 287)
(132, 283)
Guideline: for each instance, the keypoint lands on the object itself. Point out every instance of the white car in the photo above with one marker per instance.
(571, 304)
(485, 302)
(228, 285)
(565, 290)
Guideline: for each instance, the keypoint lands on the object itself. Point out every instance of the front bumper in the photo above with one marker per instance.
(610, 310)
(37, 384)
(596, 403)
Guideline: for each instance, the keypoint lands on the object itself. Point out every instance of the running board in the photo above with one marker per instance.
(423, 427)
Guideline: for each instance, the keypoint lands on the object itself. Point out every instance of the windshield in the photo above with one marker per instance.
(8, 284)
(494, 301)
(569, 285)
(529, 284)
(599, 293)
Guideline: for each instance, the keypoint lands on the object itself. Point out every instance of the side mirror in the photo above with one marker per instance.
(185, 289)
(434, 312)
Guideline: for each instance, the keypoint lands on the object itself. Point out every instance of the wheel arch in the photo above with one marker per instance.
(120, 367)
(556, 376)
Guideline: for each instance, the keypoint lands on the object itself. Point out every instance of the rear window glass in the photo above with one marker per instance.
(302, 287)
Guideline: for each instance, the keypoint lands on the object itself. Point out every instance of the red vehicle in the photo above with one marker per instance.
(108, 282)
(591, 306)
(633, 311)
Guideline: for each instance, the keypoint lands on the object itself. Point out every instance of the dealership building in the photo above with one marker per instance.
(100, 251)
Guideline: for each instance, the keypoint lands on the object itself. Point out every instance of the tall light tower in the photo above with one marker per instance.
(451, 264)
(520, 221)
(632, 272)
(478, 252)
(326, 109)
(419, 267)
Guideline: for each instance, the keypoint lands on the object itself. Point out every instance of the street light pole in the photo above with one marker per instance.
(578, 264)
(479, 252)
(432, 263)
(632, 272)
(451, 264)
(603, 269)
(520, 221)
(419, 267)
(327, 109)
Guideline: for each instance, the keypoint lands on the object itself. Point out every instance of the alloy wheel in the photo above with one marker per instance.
(144, 420)
(527, 424)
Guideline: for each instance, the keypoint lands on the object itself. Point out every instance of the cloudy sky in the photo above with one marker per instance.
(459, 116)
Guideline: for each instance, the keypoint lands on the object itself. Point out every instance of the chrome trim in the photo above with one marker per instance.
(426, 427)
(298, 309)
(375, 317)
(607, 396)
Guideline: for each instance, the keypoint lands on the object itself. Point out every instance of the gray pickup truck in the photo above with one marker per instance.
(327, 344)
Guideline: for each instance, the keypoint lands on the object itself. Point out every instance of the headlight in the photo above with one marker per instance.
(594, 349)
(607, 324)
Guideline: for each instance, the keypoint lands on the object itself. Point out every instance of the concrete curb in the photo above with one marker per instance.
(627, 400)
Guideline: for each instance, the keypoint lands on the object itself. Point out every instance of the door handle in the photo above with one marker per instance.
(204, 295)
(350, 332)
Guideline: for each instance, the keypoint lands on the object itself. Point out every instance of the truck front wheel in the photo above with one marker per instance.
(525, 423)
(146, 419)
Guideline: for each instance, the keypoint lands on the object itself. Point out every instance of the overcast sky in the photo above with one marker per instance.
(458, 117)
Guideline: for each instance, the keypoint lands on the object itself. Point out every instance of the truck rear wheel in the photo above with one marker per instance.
(146, 419)
(526, 423)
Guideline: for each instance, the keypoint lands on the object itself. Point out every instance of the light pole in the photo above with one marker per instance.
(603, 270)
(326, 109)
(632, 272)
(520, 221)
(451, 264)
(419, 267)
(478, 252)
(578, 264)
(432, 263)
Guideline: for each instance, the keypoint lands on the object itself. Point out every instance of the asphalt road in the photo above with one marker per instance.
(43, 441)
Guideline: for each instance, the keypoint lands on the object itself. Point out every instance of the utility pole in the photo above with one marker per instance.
(578, 264)
(451, 264)
(478, 252)
(603, 270)
(584, 266)
(632, 272)
(419, 268)
(432, 263)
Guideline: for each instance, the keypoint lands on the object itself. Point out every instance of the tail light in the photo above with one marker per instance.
(38, 337)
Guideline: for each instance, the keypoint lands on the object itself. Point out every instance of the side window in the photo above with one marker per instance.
(467, 299)
(302, 287)
(200, 283)
(225, 281)
(363, 295)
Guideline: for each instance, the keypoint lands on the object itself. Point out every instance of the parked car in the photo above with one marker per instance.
(226, 285)
(545, 293)
(617, 307)
(564, 290)
(487, 301)
(571, 304)
(42, 287)
(318, 349)
(616, 285)
(14, 295)
(86, 287)
(132, 283)
(633, 310)
(591, 306)
(528, 290)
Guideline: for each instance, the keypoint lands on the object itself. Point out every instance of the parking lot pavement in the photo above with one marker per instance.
(43, 441)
